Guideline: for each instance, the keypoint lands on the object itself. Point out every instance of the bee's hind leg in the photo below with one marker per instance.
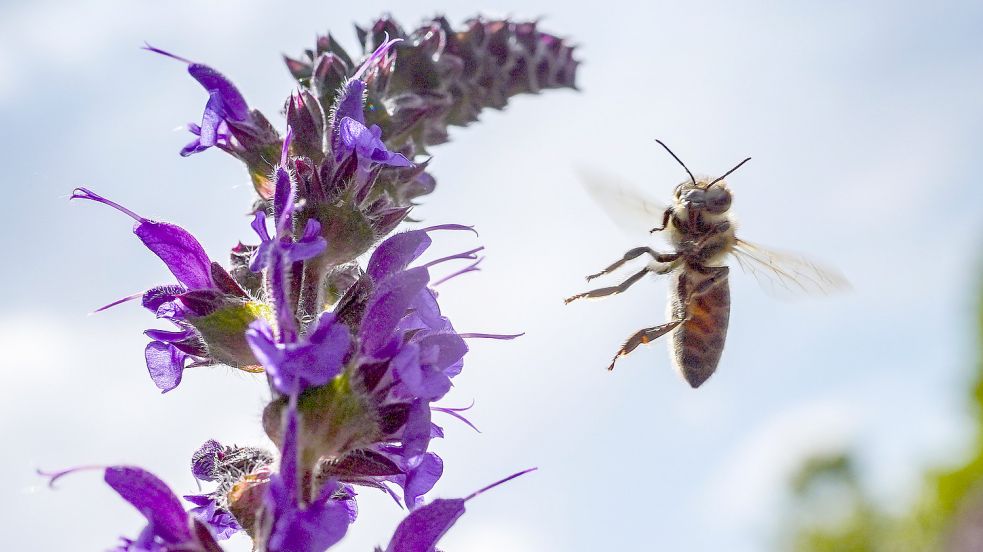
(643, 336)
(613, 290)
(633, 254)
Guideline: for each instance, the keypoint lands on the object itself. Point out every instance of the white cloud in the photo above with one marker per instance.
(746, 491)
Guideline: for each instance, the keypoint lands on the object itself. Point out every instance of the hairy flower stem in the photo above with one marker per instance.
(311, 300)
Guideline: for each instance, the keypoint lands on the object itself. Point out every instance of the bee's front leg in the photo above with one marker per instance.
(665, 221)
(633, 254)
(613, 290)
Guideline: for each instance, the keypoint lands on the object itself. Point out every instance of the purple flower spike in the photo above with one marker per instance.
(225, 104)
(179, 250)
(423, 528)
(294, 367)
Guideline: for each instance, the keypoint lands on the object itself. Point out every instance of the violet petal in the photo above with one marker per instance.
(421, 479)
(179, 250)
(165, 364)
(396, 253)
(422, 529)
(153, 499)
(234, 106)
(388, 305)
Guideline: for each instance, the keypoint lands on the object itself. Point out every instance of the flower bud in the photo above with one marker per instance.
(345, 227)
(223, 332)
(329, 73)
(334, 419)
(305, 117)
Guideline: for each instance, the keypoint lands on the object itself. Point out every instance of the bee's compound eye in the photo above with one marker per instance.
(717, 199)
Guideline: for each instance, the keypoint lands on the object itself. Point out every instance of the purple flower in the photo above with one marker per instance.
(355, 386)
(179, 250)
(310, 244)
(423, 528)
(350, 135)
(222, 523)
(315, 360)
(236, 471)
(225, 105)
(204, 288)
(366, 143)
(169, 528)
(401, 304)
(190, 265)
(407, 352)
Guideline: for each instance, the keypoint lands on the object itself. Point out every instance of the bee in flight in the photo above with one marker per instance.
(700, 227)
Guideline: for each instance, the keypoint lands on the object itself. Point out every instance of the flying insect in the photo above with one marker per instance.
(700, 227)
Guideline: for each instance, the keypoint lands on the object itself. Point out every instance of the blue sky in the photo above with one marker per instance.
(865, 124)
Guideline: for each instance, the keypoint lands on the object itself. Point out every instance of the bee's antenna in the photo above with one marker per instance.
(726, 174)
(680, 161)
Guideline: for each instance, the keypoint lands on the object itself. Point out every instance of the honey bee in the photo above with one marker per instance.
(700, 227)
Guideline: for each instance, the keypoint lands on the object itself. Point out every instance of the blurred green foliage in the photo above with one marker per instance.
(832, 512)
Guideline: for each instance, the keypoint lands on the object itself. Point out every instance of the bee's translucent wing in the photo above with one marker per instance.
(628, 207)
(785, 274)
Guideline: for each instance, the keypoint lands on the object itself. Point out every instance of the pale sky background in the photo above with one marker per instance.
(865, 122)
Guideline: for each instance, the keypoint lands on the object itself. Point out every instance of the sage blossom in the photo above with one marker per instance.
(356, 354)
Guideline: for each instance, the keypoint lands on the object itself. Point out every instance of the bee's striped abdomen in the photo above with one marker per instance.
(698, 342)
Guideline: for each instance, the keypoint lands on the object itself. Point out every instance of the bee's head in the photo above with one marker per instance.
(712, 196)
